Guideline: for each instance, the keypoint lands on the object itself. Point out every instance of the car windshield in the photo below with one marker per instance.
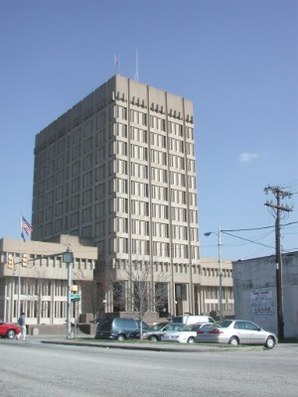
(193, 327)
(207, 326)
(173, 327)
(224, 323)
(156, 327)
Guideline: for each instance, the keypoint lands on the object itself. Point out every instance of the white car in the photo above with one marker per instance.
(236, 332)
(158, 330)
(186, 334)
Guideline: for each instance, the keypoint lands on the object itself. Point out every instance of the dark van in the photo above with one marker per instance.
(119, 328)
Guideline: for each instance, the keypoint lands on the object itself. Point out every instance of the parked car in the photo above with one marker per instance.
(186, 334)
(153, 333)
(156, 332)
(119, 328)
(190, 319)
(235, 332)
(9, 330)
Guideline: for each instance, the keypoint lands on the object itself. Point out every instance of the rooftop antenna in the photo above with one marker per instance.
(116, 63)
(137, 66)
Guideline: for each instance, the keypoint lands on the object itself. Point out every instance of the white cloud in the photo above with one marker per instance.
(247, 157)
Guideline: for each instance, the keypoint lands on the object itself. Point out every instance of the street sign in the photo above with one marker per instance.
(75, 297)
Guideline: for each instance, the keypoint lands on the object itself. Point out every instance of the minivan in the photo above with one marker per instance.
(119, 328)
(190, 319)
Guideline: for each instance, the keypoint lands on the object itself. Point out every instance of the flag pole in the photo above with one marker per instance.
(26, 228)
(19, 275)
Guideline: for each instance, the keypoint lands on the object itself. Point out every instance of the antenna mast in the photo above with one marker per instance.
(137, 66)
(116, 63)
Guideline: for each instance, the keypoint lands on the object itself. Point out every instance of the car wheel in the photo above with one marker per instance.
(121, 338)
(11, 334)
(270, 342)
(153, 338)
(234, 341)
(191, 340)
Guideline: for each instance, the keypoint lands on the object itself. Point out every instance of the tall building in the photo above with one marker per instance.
(118, 168)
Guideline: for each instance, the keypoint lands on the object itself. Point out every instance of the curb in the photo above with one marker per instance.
(160, 348)
(124, 347)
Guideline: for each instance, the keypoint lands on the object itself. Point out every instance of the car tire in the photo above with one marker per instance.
(11, 334)
(121, 338)
(234, 341)
(191, 339)
(153, 338)
(270, 342)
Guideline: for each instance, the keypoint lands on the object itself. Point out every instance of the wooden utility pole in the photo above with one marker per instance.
(279, 194)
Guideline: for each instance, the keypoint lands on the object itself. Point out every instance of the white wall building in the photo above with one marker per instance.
(255, 292)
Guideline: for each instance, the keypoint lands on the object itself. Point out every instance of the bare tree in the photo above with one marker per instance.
(141, 290)
(92, 298)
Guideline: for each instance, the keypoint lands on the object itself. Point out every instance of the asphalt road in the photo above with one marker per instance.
(31, 369)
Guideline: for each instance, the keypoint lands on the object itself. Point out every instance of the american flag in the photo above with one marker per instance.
(26, 228)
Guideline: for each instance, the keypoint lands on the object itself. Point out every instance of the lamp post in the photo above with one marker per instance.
(68, 260)
(220, 291)
(7, 309)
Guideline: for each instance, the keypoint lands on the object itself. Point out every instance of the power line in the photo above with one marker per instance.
(248, 240)
(258, 228)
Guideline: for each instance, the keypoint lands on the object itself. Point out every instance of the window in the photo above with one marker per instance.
(180, 292)
(119, 296)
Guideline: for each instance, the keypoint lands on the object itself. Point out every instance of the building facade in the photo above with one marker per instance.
(256, 293)
(39, 286)
(118, 168)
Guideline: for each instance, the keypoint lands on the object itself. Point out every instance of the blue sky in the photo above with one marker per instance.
(237, 60)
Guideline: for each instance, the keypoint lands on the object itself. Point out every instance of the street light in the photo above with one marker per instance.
(68, 260)
(220, 294)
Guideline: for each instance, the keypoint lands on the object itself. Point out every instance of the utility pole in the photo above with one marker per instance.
(221, 316)
(220, 289)
(279, 194)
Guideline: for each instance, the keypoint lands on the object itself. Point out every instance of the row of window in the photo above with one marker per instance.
(157, 174)
(119, 205)
(158, 229)
(44, 287)
(40, 288)
(119, 185)
(159, 248)
(81, 138)
(86, 164)
(213, 293)
(121, 166)
(210, 272)
(165, 267)
(42, 310)
(58, 171)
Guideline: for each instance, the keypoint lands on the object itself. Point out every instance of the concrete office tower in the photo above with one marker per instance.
(118, 168)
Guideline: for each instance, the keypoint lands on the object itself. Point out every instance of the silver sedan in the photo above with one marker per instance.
(235, 332)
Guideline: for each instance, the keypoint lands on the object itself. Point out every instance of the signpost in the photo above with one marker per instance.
(75, 297)
(68, 260)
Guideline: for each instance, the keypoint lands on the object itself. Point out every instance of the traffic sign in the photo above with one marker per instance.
(75, 297)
